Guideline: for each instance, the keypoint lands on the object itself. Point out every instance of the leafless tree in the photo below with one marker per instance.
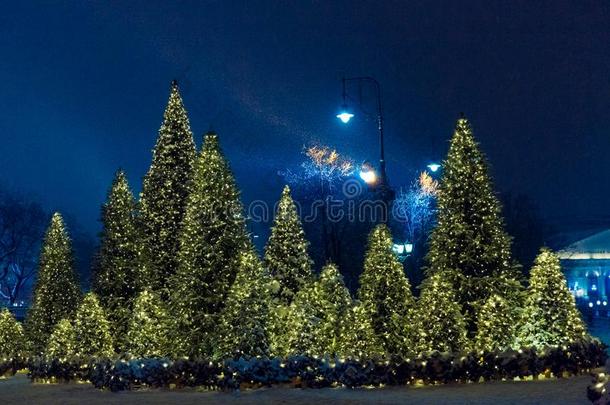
(22, 225)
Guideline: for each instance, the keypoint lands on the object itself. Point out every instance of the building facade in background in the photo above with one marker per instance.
(586, 265)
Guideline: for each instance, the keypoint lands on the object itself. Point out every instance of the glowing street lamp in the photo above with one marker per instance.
(368, 176)
(402, 250)
(367, 173)
(434, 167)
(345, 115)
(376, 177)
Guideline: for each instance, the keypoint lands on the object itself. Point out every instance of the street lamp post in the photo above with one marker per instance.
(345, 116)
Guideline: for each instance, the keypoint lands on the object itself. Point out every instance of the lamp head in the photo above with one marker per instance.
(434, 167)
(367, 173)
(345, 115)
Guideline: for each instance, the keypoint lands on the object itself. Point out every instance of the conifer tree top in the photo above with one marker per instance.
(469, 239)
(286, 252)
(379, 255)
(165, 191)
(211, 141)
(330, 272)
(57, 223)
(175, 130)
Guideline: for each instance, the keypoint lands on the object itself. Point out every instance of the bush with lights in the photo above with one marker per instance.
(56, 291)
(441, 326)
(164, 193)
(316, 372)
(469, 244)
(12, 338)
(550, 316)
(213, 234)
(148, 333)
(242, 330)
(117, 276)
(314, 325)
(92, 329)
(62, 343)
(386, 295)
(357, 337)
(495, 325)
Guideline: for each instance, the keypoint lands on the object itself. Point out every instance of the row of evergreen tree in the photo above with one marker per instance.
(177, 274)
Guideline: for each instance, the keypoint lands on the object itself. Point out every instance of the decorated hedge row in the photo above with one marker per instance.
(9, 367)
(314, 372)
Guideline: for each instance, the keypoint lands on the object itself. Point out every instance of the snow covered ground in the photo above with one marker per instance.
(18, 390)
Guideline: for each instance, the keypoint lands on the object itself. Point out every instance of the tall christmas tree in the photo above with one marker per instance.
(148, 334)
(550, 316)
(495, 325)
(386, 294)
(11, 336)
(117, 272)
(165, 191)
(62, 343)
(441, 324)
(213, 233)
(469, 244)
(286, 254)
(243, 321)
(56, 291)
(315, 323)
(92, 329)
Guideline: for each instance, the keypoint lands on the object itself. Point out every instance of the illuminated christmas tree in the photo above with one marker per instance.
(357, 337)
(243, 326)
(286, 255)
(92, 329)
(441, 325)
(12, 338)
(280, 315)
(315, 322)
(469, 245)
(213, 235)
(117, 273)
(550, 316)
(148, 334)
(495, 325)
(165, 191)
(385, 293)
(56, 291)
(62, 343)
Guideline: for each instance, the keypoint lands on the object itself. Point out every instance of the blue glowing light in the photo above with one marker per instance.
(345, 116)
(434, 167)
(402, 248)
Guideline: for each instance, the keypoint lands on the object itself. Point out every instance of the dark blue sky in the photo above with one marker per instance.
(84, 85)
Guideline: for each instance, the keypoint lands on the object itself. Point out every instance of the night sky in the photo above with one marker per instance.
(84, 85)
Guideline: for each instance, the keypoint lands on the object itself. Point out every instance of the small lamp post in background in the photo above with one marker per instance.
(402, 250)
(379, 180)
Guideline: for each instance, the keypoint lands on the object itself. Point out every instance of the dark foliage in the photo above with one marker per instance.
(302, 371)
